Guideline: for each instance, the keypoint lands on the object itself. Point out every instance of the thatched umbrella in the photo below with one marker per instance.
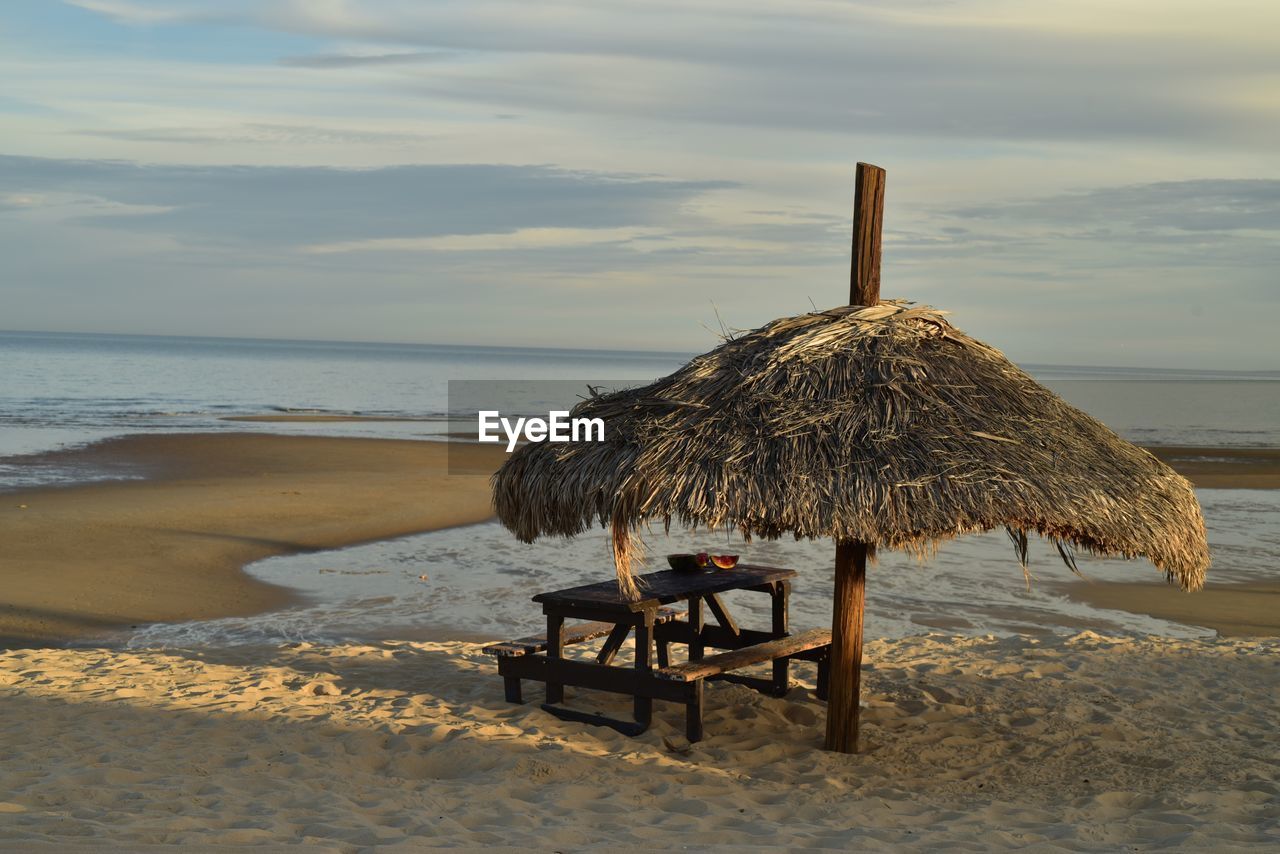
(877, 426)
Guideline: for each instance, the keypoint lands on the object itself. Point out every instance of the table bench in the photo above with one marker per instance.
(656, 627)
(617, 636)
(813, 645)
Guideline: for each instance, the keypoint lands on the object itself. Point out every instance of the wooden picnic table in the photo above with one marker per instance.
(656, 627)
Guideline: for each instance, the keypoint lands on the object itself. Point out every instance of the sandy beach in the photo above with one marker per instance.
(84, 560)
(1082, 743)
(1085, 743)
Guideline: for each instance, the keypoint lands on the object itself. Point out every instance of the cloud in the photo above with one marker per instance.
(147, 14)
(634, 239)
(1219, 224)
(1200, 205)
(745, 118)
(19, 201)
(968, 70)
(355, 60)
(520, 240)
(257, 133)
(289, 206)
(436, 252)
(532, 254)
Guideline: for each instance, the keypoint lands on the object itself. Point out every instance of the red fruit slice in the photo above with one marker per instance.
(725, 561)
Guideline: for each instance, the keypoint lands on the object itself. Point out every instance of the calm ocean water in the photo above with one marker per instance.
(71, 388)
(68, 389)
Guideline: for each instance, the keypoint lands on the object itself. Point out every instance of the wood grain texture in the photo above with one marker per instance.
(665, 587)
(868, 218)
(846, 648)
(851, 558)
(723, 662)
(571, 635)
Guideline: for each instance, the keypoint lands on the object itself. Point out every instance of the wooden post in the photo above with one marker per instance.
(845, 667)
(844, 672)
(868, 215)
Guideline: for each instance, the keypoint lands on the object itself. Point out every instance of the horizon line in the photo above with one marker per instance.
(511, 347)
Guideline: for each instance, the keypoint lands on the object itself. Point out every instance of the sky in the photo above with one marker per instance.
(1083, 182)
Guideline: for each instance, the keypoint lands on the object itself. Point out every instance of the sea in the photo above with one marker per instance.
(61, 390)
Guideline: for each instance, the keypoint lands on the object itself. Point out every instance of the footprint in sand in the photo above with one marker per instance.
(800, 715)
(938, 695)
(911, 707)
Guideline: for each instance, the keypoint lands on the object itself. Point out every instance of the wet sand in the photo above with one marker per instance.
(89, 559)
(1232, 610)
(1224, 468)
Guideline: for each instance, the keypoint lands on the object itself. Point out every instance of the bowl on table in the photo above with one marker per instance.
(684, 562)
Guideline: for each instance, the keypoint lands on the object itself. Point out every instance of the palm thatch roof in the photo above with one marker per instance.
(880, 424)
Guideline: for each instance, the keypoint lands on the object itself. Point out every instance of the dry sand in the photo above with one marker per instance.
(1081, 744)
(84, 560)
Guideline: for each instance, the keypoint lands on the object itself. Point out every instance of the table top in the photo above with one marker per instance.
(665, 587)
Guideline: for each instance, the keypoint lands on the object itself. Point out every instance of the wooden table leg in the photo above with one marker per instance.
(644, 650)
(695, 628)
(693, 713)
(613, 643)
(511, 687)
(722, 615)
(555, 649)
(781, 596)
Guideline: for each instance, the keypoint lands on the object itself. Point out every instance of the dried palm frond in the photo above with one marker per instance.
(881, 424)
